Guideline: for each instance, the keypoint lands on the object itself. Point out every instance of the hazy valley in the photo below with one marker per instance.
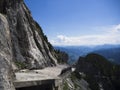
(111, 52)
(28, 60)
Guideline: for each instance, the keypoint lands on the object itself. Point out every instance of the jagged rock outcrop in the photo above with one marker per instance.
(22, 42)
(93, 72)
(75, 82)
(100, 73)
(29, 45)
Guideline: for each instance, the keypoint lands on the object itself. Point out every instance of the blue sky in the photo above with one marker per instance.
(78, 22)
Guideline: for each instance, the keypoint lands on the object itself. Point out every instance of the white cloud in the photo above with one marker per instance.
(110, 37)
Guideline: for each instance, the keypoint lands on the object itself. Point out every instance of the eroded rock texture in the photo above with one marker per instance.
(5, 56)
(29, 44)
(22, 42)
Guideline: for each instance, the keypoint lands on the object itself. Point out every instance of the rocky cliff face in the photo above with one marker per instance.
(22, 42)
(93, 72)
(29, 45)
(98, 72)
(5, 55)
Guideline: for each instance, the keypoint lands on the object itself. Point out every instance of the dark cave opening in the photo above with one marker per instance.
(40, 87)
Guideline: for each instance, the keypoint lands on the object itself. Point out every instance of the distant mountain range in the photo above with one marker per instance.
(111, 52)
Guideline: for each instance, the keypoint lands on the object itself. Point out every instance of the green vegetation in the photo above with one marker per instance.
(65, 86)
(99, 70)
(20, 65)
(74, 77)
(102, 64)
(62, 57)
(93, 83)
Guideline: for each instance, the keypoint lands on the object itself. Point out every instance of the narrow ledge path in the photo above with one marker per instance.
(26, 78)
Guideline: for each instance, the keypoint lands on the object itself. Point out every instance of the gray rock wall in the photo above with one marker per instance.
(6, 73)
(22, 42)
(29, 44)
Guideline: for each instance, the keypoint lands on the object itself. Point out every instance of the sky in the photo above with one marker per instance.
(78, 22)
